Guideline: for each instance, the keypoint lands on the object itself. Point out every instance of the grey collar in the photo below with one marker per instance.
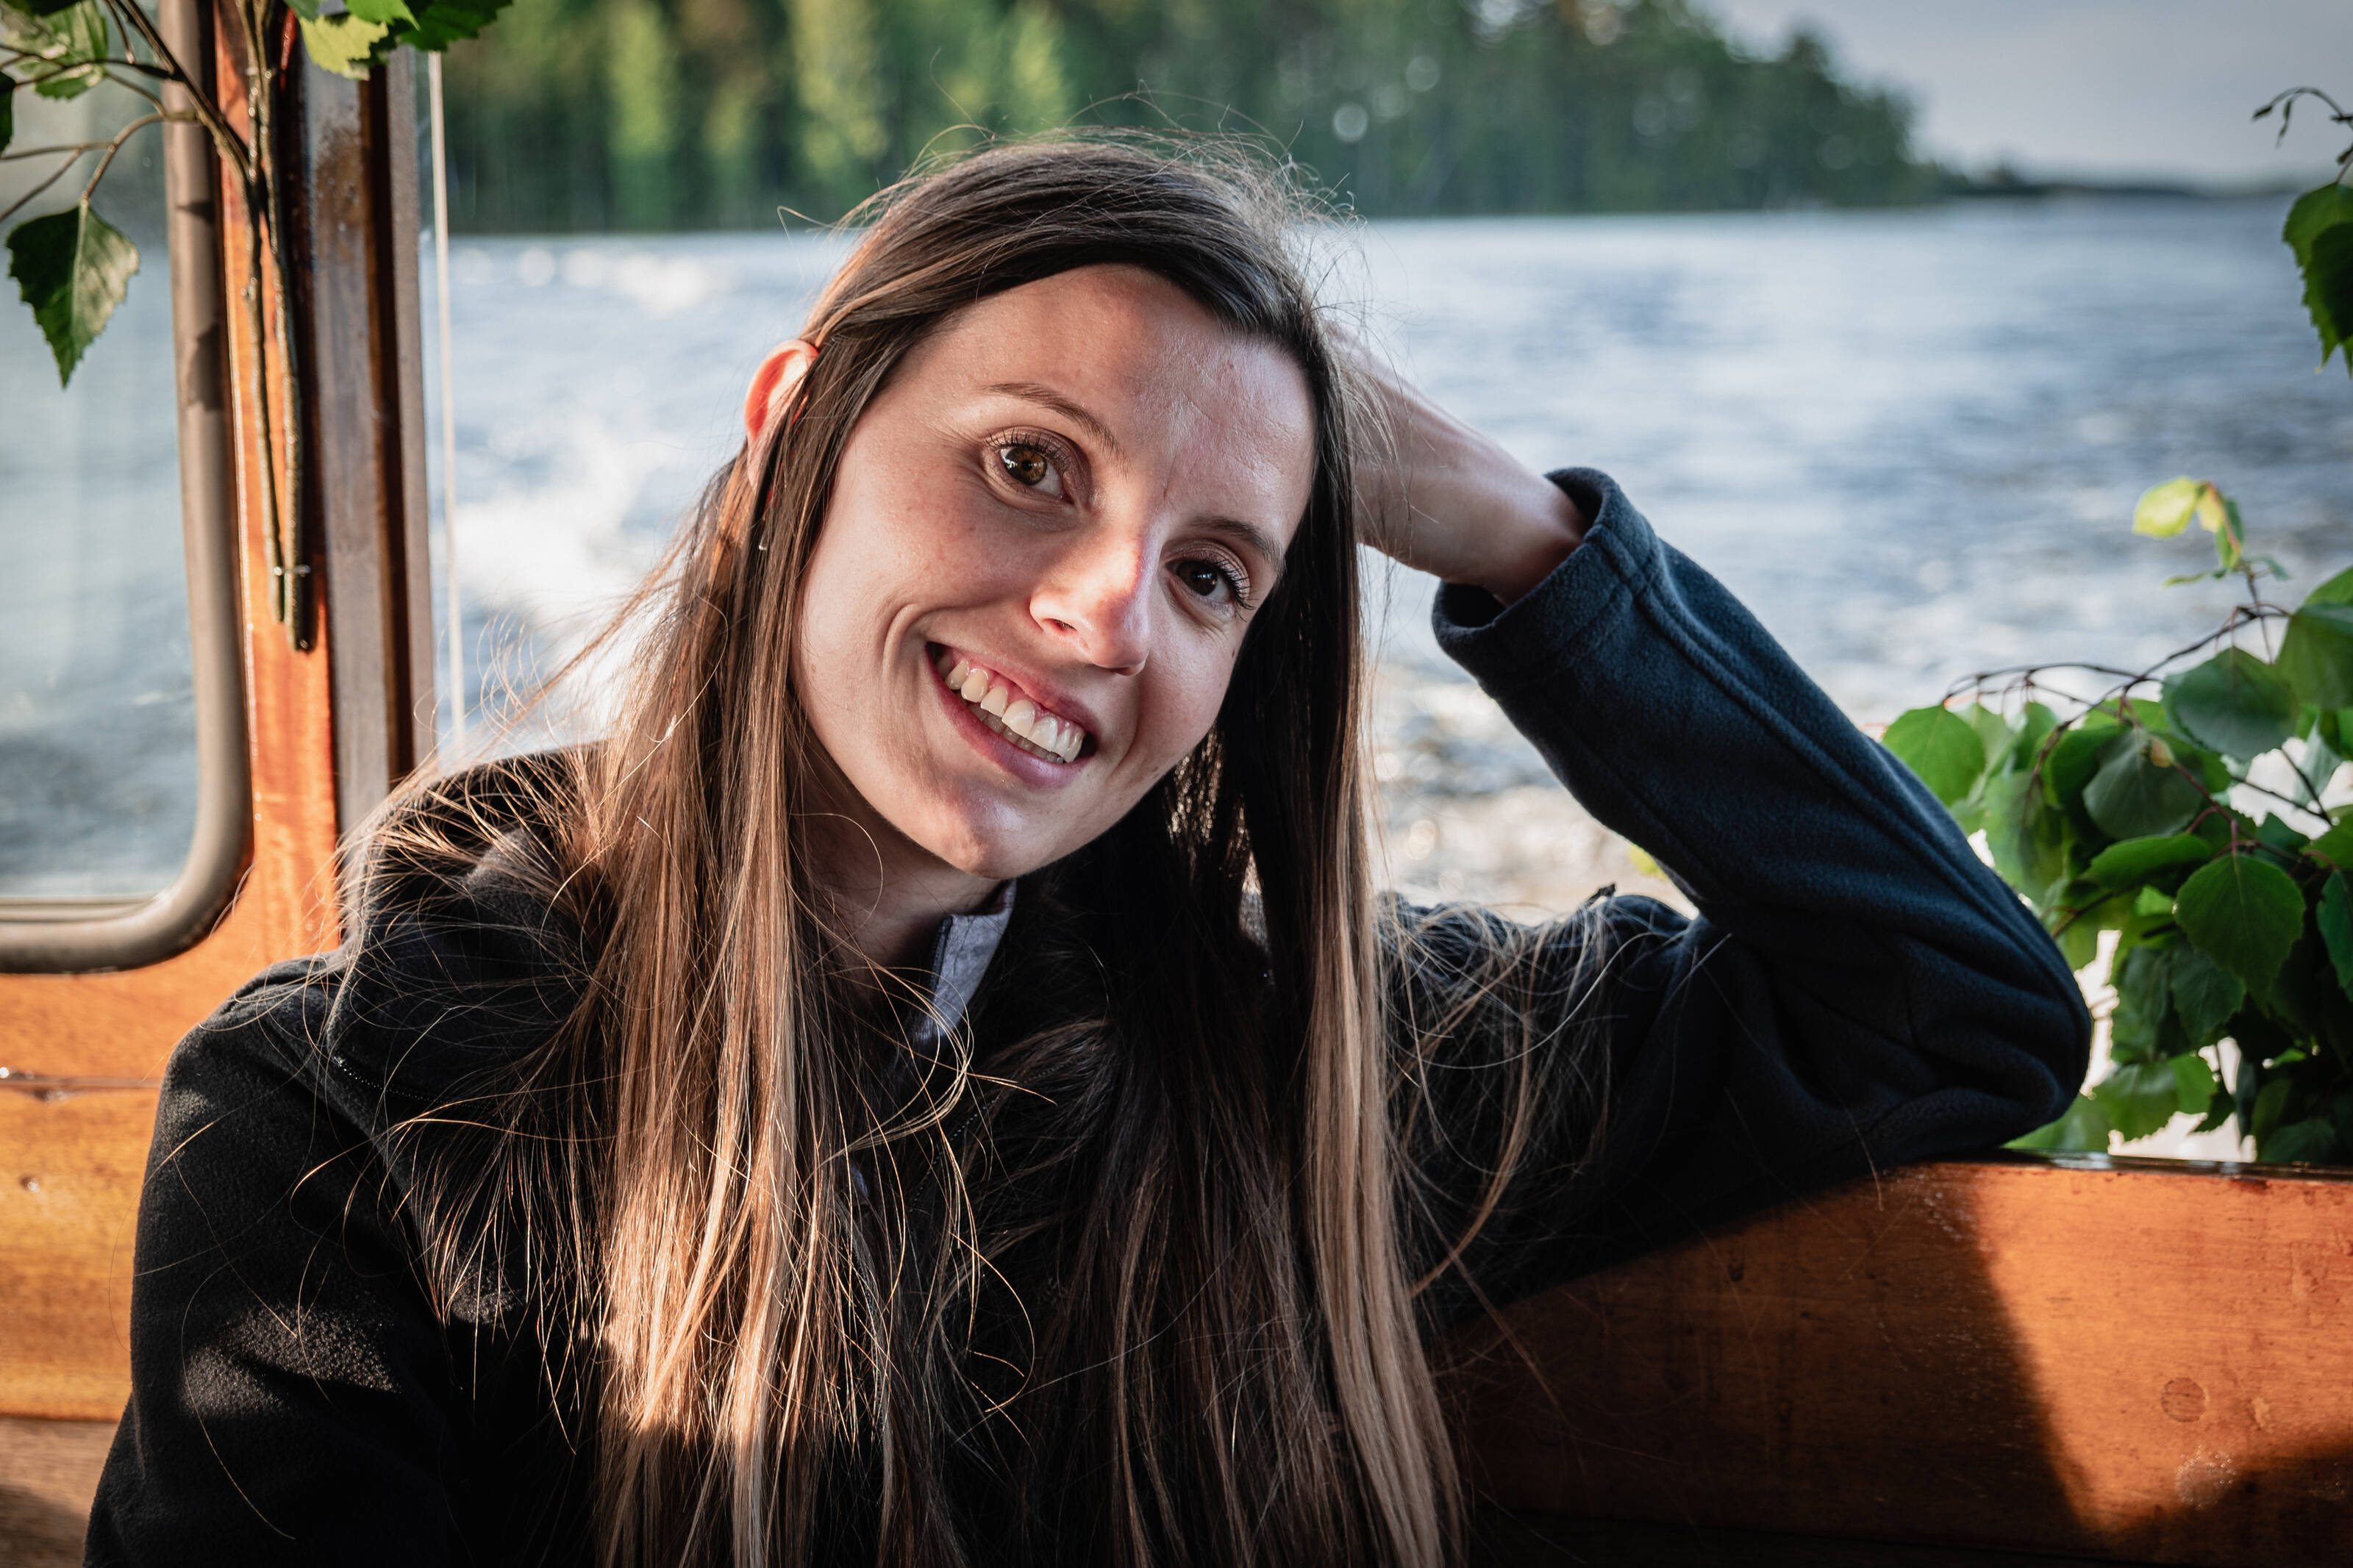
(961, 955)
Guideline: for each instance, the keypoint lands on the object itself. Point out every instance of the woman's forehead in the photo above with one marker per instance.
(1144, 371)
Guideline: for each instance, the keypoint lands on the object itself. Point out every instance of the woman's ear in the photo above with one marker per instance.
(773, 384)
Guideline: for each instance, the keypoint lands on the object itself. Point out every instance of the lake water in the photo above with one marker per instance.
(1910, 441)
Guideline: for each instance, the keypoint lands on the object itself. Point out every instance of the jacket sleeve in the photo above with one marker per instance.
(292, 1398)
(1858, 989)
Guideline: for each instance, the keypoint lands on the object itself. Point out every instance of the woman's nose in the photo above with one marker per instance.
(1097, 600)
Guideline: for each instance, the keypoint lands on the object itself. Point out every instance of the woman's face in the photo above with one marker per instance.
(1069, 503)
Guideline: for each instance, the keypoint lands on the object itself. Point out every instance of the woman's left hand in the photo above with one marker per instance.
(1445, 500)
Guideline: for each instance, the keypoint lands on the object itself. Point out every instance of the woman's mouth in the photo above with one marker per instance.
(1001, 708)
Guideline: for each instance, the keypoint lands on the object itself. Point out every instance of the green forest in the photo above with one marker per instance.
(684, 114)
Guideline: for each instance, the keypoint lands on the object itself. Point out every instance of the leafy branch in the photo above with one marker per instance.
(73, 269)
(2120, 816)
(2320, 231)
(2126, 815)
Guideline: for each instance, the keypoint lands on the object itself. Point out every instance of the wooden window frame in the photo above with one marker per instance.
(351, 170)
(85, 933)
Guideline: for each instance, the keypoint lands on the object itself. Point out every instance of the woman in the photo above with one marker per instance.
(935, 1084)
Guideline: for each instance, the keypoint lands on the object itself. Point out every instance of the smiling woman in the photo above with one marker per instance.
(1080, 491)
(934, 1084)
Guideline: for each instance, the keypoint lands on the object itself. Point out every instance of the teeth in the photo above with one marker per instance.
(1016, 717)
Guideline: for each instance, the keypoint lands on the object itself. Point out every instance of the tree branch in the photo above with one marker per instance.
(121, 136)
(58, 174)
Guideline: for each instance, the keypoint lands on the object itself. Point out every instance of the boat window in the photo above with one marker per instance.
(116, 846)
(98, 726)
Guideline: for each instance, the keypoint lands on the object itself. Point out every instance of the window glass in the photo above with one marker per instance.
(98, 736)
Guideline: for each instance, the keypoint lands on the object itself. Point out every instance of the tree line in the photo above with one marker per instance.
(654, 115)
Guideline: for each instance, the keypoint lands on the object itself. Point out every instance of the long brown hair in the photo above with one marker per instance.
(796, 1236)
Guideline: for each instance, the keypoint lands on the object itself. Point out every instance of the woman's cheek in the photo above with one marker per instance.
(1189, 707)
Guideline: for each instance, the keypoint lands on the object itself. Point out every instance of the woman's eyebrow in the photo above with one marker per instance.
(1249, 535)
(1037, 391)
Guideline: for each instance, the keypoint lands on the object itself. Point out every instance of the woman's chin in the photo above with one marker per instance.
(1000, 851)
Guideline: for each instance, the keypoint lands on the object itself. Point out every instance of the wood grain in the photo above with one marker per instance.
(69, 1174)
(2109, 1358)
(48, 1472)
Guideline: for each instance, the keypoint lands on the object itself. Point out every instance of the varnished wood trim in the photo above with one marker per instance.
(355, 214)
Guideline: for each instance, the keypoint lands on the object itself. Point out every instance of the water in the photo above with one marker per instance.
(1910, 441)
(98, 772)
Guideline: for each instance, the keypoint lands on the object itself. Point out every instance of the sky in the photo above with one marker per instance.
(2105, 88)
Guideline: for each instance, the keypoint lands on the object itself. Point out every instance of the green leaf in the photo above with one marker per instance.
(2335, 918)
(2136, 860)
(2205, 994)
(2229, 533)
(70, 40)
(2132, 796)
(2335, 846)
(2218, 1111)
(2316, 654)
(2234, 703)
(2311, 1142)
(73, 269)
(2320, 229)
(2076, 758)
(1993, 730)
(2164, 511)
(386, 12)
(346, 44)
(2027, 836)
(2084, 1130)
(2269, 1103)
(441, 23)
(7, 109)
(2194, 1084)
(2139, 1099)
(2079, 941)
(1940, 746)
(2034, 726)
(38, 7)
(2138, 975)
(2245, 914)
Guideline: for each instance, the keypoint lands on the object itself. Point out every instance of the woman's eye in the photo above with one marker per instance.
(1209, 580)
(1032, 467)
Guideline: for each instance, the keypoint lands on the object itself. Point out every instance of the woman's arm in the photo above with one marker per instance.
(1445, 500)
(1857, 990)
